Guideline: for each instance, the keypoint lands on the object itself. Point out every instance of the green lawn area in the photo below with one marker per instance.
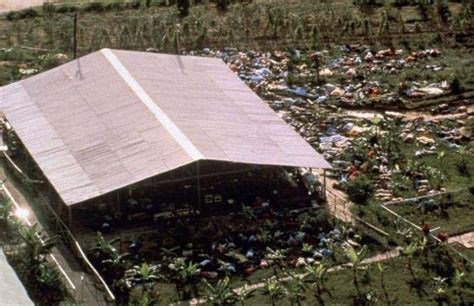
(397, 288)
(456, 218)
(397, 280)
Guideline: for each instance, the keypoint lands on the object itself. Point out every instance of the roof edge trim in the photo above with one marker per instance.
(162, 117)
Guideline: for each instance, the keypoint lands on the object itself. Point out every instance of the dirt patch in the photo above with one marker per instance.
(11, 5)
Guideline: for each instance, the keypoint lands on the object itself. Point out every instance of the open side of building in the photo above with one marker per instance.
(113, 119)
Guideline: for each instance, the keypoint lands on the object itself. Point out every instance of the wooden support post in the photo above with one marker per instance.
(118, 202)
(69, 220)
(199, 186)
(75, 36)
(324, 183)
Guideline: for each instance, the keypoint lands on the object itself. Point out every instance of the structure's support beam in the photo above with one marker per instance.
(204, 175)
(324, 183)
(69, 217)
(118, 201)
(199, 185)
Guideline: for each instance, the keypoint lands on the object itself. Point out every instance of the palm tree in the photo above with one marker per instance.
(49, 283)
(146, 277)
(104, 249)
(144, 274)
(184, 274)
(109, 260)
(220, 294)
(274, 289)
(318, 275)
(116, 265)
(355, 259)
(7, 221)
(441, 295)
(244, 294)
(381, 268)
(295, 289)
(409, 252)
(277, 257)
(32, 255)
(34, 250)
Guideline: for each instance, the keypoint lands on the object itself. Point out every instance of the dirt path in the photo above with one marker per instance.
(12, 5)
(338, 203)
(425, 115)
(466, 240)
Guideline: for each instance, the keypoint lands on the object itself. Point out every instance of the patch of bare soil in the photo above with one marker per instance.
(11, 5)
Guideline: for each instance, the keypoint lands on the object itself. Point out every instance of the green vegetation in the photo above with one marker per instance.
(438, 276)
(27, 250)
(359, 190)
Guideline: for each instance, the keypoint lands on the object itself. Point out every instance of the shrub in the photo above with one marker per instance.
(49, 8)
(456, 87)
(359, 190)
(222, 4)
(183, 7)
(94, 7)
(66, 9)
(23, 14)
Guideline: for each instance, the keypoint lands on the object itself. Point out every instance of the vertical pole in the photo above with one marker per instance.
(199, 186)
(324, 183)
(177, 38)
(118, 202)
(69, 221)
(75, 35)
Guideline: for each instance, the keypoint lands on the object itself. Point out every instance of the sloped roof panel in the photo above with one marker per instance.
(222, 117)
(114, 118)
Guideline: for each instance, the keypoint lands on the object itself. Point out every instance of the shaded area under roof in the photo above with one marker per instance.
(114, 118)
(12, 291)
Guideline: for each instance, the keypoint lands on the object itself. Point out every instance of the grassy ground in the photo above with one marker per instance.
(397, 288)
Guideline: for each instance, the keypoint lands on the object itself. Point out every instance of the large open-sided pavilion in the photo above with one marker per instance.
(134, 135)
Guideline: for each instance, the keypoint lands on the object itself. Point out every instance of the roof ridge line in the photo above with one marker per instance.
(162, 117)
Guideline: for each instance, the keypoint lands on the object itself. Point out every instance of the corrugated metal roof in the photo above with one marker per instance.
(12, 291)
(114, 118)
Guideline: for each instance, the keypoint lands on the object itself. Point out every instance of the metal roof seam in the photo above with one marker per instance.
(162, 117)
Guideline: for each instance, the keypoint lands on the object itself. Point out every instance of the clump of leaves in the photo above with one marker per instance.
(359, 190)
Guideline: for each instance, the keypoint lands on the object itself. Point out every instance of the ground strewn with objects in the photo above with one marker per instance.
(383, 90)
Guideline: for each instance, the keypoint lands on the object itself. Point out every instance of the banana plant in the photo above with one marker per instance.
(184, 274)
(409, 252)
(295, 289)
(237, 256)
(48, 280)
(33, 250)
(441, 295)
(104, 249)
(355, 258)
(7, 220)
(116, 265)
(244, 294)
(317, 275)
(307, 248)
(221, 293)
(274, 289)
(277, 257)
(382, 268)
(144, 274)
